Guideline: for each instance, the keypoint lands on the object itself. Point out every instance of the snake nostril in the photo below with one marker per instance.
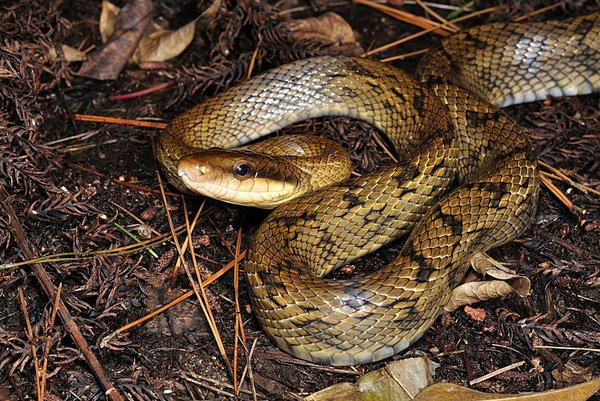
(192, 168)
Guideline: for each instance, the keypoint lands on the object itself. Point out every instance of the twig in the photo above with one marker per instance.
(248, 368)
(539, 11)
(426, 31)
(69, 324)
(199, 289)
(496, 372)
(568, 348)
(30, 337)
(49, 339)
(404, 56)
(436, 15)
(557, 192)
(172, 228)
(253, 60)
(120, 121)
(582, 187)
(239, 324)
(440, 29)
(143, 92)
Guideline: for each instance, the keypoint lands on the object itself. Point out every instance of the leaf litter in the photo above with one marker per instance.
(555, 329)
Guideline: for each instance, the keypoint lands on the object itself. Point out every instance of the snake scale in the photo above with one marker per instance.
(466, 181)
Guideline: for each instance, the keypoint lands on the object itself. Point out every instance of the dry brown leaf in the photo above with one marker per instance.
(129, 26)
(159, 44)
(164, 44)
(571, 373)
(408, 380)
(477, 291)
(329, 29)
(486, 265)
(453, 392)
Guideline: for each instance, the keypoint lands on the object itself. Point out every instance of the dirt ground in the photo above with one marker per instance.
(72, 186)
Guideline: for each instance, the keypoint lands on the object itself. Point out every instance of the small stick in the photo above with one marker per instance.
(441, 19)
(49, 339)
(409, 18)
(496, 372)
(199, 289)
(557, 192)
(426, 31)
(144, 92)
(30, 337)
(121, 121)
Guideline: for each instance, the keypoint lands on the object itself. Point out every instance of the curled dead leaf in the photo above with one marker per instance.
(486, 265)
(329, 29)
(508, 282)
(477, 291)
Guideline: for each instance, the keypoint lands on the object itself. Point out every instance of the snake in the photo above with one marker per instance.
(466, 181)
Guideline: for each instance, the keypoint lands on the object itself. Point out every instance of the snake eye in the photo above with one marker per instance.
(243, 169)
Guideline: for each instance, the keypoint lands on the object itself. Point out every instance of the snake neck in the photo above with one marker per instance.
(363, 89)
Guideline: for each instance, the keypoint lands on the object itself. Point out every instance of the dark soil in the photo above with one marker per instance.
(62, 204)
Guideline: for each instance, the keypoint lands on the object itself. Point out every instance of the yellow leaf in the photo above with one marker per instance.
(453, 392)
(108, 16)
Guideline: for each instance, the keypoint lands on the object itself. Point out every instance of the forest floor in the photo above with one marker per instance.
(76, 194)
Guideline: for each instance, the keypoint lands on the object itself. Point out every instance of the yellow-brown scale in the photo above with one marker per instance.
(446, 129)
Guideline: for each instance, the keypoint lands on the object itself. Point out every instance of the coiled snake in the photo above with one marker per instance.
(467, 180)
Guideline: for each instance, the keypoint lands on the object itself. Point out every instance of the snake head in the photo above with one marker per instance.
(241, 177)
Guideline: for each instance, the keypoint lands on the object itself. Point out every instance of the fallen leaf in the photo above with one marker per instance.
(164, 44)
(410, 380)
(157, 44)
(129, 26)
(398, 381)
(477, 291)
(572, 373)
(453, 392)
(108, 18)
(329, 29)
(486, 265)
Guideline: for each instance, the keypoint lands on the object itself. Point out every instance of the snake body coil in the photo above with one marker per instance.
(446, 129)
